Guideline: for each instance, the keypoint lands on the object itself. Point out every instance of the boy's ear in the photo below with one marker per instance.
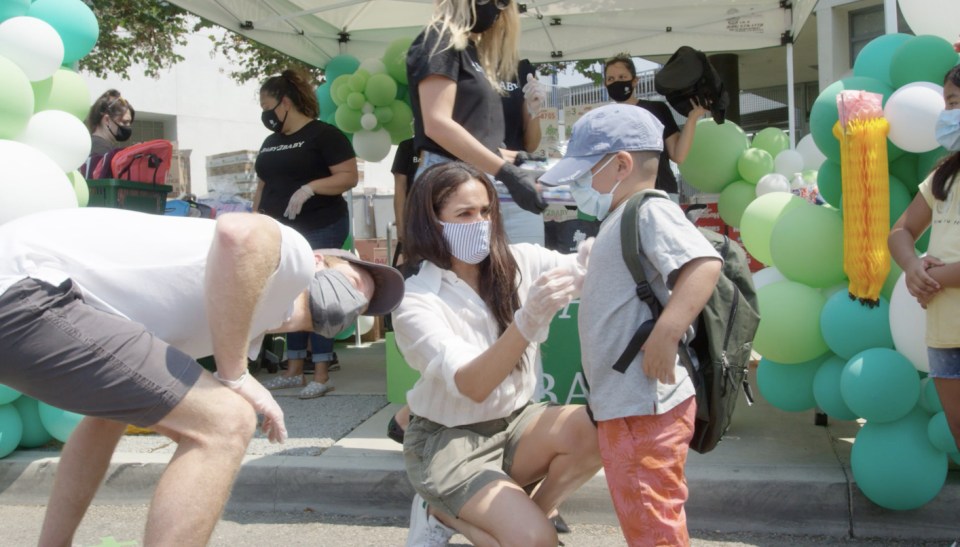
(624, 163)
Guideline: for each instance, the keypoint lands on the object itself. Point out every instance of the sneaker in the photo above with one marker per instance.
(425, 529)
(315, 389)
(283, 382)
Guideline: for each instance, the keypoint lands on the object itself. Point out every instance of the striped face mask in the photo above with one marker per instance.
(469, 242)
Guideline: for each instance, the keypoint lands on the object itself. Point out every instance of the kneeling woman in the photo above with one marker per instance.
(471, 323)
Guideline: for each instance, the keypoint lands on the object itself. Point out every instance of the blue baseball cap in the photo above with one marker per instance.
(605, 130)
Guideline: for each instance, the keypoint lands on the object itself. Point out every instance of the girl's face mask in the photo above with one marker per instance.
(468, 242)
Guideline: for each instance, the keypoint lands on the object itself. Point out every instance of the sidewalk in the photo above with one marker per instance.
(774, 472)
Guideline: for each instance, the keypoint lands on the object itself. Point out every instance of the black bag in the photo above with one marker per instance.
(689, 75)
(725, 330)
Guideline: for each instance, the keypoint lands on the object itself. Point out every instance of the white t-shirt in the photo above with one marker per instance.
(442, 325)
(147, 268)
(943, 322)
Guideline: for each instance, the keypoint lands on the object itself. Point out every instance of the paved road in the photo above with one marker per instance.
(121, 526)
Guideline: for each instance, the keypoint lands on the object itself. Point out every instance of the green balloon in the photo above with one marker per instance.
(59, 423)
(849, 327)
(80, 187)
(753, 164)
(772, 140)
(8, 395)
(922, 59)
(340, 90)
(874, 59)
(356, 100)
(789, 329)
(74, 22)
(734, 199)
(905, 169)
(348, 119)
(826, 389)
(939, 433)
(402, 117)
(899, 199)
(759, 218)
(895, 465)
(66, 91)
(340, 65)
(16, 99)
(711, 163)
(829, 182)
(34, 434)
(381, 90)
(788, 387)
(927, 161)
(358, 80)
(383, 113)
(13, 8)
(823, 114)
(929, 398)
(880, 385)
(806, 245)
(395, 59)
(11, 430)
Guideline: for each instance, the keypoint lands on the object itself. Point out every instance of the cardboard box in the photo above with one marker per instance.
(372, 250)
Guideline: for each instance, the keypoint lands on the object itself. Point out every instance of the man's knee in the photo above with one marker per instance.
(211, 414)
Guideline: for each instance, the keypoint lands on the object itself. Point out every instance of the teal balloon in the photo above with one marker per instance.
(789, 330)
(922, 59)
(74, 21)
(8, 394)
(340, 65)
(955, 456)
(826, 389)
(381, 89)
(734, 200)
(754, 163)
(807, 246)
(346, 333)
(711, 163)
(927, 161)
(324, 100)
(905, 169)
(759, 219)
(59, 423)
(849, 327)
(329, 117)
(788, 387)
(11, 430)
(34, 434)
(938, 431)
(16, 100)
(880, 385)
(874, 59)
(13, 8)
(823, 114)
(772, 140)
(830, 182)
(66, 91)
(899, 199)
(894, 464)
(395, 59)
(348, 119)
(892, 277)
(929, 398)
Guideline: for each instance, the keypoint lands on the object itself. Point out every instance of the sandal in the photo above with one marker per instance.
(315, 389)
(283, 382)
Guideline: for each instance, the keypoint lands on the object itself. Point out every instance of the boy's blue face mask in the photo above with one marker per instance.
(948, 130)
(589, 200)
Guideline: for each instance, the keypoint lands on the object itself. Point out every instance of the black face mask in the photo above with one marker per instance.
(486, 16)
(620, 91)
(122, 134)
(270, 119)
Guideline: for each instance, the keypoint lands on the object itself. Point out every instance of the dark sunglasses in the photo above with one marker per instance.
(501, 4)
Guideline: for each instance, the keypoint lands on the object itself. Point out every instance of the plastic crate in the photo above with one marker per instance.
(124, 194)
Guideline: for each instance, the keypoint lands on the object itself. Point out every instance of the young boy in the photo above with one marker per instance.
(645, 416)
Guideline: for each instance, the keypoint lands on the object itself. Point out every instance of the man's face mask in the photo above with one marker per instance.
(334, 302)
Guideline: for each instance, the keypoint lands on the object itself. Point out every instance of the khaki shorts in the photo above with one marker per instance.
(449, 465)
(57, 348)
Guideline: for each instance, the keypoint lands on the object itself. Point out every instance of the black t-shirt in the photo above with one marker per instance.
(477, 104)
(405, 162)
(666, 180)
(287, 162)
(513, 106)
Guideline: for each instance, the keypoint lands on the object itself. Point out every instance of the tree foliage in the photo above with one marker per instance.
(590, 68)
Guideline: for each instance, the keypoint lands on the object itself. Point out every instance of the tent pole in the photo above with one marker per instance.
(791, 99)
(890, 16)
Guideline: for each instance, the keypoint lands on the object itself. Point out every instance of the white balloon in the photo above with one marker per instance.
(937, 17)
(367, 108)
(788, 162)
(912, 112)
(774, 182)
(368, 121)
(31, 182)
(767, 276)
(373, 66)
(364, 324)
(908, 325)
(34, 45)
(371, 145)
(812, 156)
(59, 135)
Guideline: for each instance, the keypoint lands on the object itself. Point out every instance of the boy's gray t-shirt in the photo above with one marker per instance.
(610, 310)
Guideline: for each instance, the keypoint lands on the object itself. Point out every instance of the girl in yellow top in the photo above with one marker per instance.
(934, 279)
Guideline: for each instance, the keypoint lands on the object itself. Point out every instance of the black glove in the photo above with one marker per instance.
(526, 156)
(522, 185)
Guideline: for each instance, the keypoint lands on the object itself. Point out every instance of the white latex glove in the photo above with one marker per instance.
(534, 95)
(263, 402)
(579, 268)
(550, 292)
(297, 200)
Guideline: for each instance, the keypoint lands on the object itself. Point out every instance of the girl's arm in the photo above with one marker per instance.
(678, 145)
(947, 275)
(343, 176)
(903, 236)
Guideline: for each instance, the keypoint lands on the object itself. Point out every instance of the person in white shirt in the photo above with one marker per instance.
(117, 305)
(471, 323)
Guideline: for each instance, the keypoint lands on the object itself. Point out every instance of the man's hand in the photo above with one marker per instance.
(660, 359)
(263, 403)
(297, 200)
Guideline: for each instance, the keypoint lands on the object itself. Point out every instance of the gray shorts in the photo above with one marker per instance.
(56, 348)
(449, 465)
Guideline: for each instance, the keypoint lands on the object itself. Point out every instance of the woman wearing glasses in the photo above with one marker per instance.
(109, 122)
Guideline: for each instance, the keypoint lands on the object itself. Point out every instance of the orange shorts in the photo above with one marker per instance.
(643, 459)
